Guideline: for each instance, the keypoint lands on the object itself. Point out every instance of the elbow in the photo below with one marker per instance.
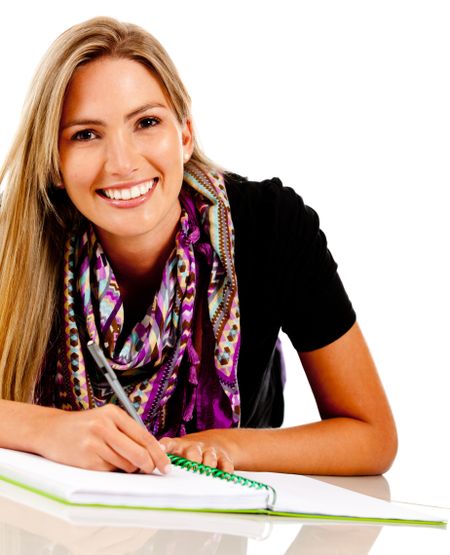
(384, 449)
(388, 452)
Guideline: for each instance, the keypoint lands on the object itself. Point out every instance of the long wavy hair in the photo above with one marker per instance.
(35, 216)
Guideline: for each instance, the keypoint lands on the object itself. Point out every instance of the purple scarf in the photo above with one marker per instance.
(157, 362)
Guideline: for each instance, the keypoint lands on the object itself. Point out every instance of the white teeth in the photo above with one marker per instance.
(135, 191)
(131, 192)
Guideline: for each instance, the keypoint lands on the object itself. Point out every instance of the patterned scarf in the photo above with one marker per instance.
(157, 362)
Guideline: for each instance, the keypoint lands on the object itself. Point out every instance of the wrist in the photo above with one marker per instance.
(24, 426)
(38, 429)
(44, 430)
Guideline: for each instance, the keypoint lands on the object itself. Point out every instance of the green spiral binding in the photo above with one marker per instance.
(200, 468)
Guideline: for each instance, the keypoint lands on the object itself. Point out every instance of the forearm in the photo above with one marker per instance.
(337, 446)
(21, 425)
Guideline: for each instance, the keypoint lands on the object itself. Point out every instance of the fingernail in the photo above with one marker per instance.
(167, 469)
(163, 447)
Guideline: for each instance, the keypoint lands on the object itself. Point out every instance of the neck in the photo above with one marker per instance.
(138, 263)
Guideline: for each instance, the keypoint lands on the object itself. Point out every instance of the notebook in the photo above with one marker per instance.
(194, 487)
(24, 510)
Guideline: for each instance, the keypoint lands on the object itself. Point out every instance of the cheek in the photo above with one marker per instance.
(77, 169)
(166, 151)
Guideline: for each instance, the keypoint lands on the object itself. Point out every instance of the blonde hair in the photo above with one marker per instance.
(35, 216)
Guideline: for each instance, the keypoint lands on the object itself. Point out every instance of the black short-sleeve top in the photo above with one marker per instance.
(288, 280)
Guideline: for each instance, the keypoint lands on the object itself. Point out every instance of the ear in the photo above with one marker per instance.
(187, 137)
(57, 179)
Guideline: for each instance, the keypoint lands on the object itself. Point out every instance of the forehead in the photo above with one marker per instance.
(111, 84)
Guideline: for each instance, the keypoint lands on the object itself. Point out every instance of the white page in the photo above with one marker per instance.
(304, 495)
(179, 489)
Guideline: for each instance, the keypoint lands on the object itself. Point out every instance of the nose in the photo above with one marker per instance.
(122, 157)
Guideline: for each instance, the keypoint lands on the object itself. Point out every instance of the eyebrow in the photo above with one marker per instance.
(129, 116)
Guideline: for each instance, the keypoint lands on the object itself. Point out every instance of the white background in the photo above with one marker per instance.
(349, 103)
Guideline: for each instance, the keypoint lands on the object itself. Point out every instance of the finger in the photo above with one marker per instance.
(111, 460)
(174, 446)
(130, 441)
(99, 456)
(225, 463)
(143, 438)
(193, 452)
(168, 444)
(127, 449)
(210, 457)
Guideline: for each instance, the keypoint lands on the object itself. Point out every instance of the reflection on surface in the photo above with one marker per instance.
(31, 524)
(351, 540)
(16, 541)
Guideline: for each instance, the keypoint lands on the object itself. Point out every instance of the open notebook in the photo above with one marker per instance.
(192, 487)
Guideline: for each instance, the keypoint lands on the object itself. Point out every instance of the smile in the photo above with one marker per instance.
(133, 192)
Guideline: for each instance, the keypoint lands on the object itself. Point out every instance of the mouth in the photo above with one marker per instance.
(129, 193)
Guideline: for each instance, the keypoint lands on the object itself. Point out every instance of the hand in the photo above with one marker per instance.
(105, 438)
(201, 448)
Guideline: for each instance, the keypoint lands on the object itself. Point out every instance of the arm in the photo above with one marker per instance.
(356, 436)
(103, 438)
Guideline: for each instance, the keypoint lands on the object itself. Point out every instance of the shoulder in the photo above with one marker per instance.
(240, 189)
(270, 207)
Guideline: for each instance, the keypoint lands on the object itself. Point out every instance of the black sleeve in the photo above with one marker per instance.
(316, 309)
(288, 276)
(287, 279)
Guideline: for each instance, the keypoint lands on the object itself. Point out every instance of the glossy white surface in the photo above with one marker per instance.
(30, 524)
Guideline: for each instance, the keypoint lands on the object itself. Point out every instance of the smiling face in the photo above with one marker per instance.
(122, 150)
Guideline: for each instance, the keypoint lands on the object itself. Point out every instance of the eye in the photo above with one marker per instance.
(84, 135)
(147, 122)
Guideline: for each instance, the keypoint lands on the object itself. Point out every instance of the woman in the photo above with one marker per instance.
(116, 228)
